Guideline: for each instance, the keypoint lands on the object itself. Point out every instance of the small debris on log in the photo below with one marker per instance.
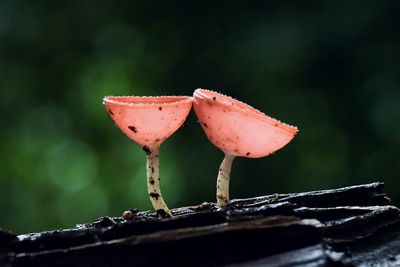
(348, 226)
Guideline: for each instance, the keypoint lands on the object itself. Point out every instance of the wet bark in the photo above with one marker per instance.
(341, 227)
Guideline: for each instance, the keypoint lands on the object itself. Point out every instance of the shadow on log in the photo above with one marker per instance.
(341, 227)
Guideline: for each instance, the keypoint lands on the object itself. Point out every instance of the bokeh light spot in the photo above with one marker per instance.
(71, 165)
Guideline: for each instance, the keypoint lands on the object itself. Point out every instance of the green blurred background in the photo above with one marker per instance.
(329, 67)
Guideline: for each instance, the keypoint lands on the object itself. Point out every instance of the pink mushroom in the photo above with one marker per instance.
(149, 121)
(238, 130)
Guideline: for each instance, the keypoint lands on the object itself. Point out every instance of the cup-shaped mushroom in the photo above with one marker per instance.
(238, 130)
(149, 121)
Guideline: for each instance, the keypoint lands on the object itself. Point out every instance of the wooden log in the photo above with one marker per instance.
(341, 227)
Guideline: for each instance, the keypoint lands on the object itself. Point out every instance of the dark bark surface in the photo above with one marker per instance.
(349, 226)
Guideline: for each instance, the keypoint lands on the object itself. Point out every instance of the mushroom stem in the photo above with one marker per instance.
(153, 182)
(224, 175)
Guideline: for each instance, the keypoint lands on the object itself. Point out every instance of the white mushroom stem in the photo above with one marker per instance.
(153, 182)
(224, 175)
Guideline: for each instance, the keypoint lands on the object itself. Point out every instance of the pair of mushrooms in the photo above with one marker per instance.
(236, 128)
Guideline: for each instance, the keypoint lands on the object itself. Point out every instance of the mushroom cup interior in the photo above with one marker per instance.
(131, 100)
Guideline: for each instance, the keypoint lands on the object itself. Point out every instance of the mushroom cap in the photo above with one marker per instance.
(237, 128)
(148, 120)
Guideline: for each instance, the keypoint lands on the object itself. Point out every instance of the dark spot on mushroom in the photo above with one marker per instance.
(152, 169)
(110, 112)
(276, 124)
(205, 125)
(147, 150)
(133, 129)
(248, 154)
(162, 213)
(208, 117)
(154, 195)
(159, 108)
(151, 180)
(221, 197)
(237, 151)
(158, 139)
(214, 98)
